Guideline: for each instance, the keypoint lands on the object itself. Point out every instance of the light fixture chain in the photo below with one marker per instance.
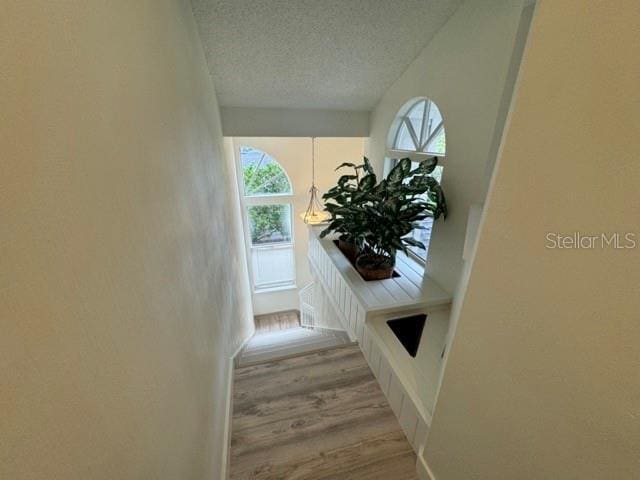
(315, 213)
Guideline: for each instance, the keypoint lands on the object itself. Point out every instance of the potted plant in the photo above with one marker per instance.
(373, 219)
(344, 203)
(394, 207)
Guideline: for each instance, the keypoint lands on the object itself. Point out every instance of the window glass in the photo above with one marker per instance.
(424, 234)
(270, 224)
(404, 140)
(262, 175)
(416, 118)
(273, 267)
(434, 120)
(437, 145)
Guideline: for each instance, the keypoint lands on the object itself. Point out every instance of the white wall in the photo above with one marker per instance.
(465, 69)
(294, 154)
(543, 380)
(122, 284)
(284, 122)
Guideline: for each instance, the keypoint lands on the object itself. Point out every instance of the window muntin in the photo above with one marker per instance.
(262, 175)
(405, 138)
(421, 130)
(416, 117)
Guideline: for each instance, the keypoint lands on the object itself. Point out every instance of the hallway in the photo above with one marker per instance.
(317, 416)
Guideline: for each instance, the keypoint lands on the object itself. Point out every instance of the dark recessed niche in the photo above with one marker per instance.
(353, 263)
(409, 331)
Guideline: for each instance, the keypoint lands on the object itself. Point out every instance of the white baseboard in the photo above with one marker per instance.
(226, 446)
(424, 472)
(236, 354)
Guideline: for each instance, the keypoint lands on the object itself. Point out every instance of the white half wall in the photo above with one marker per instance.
(543, 380)
(278, 122)
(123, 286)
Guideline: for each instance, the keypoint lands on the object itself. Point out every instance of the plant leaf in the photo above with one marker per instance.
(345, 164)
(414, 243)
(398, 172)
(367, 166)
(367, 182)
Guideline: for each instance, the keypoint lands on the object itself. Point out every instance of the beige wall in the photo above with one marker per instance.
(122, 283)
(284, 122)
(465, 69)
(294, 154)
(543, 381)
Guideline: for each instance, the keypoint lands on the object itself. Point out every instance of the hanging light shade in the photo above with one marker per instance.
(315, 214)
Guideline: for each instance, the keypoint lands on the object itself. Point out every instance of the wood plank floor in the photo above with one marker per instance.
(270, 322)
(313, 417)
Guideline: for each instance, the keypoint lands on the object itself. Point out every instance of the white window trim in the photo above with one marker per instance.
(269, 200)
(413, 155)
(282, 288)
(268, 195)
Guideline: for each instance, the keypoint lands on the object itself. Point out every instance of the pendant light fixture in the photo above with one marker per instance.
(315, 213)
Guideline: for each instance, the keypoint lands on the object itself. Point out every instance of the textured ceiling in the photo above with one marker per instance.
(328, 54)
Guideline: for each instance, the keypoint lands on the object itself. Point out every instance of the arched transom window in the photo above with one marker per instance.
(262, 174)
(420, 130)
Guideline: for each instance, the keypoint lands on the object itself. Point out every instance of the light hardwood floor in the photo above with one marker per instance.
(276, 321)
(313, 417)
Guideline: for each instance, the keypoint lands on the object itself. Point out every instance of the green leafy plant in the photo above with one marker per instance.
(344, 203)
(379, 216)
(399, 203)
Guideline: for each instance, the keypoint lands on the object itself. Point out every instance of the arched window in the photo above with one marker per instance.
(418, 132)
(262, 175)
(267, 202)
(420, 129)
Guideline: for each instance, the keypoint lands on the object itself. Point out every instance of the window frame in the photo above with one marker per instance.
(419, 141)
(401, 119)
(247, 201)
